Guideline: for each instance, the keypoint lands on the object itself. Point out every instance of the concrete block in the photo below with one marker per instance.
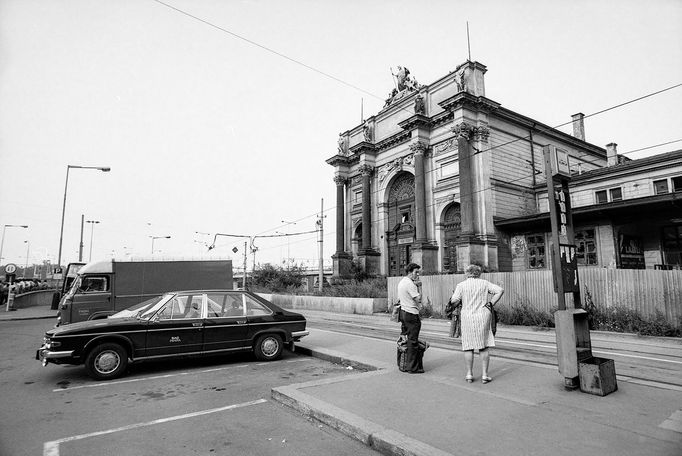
(597, 376)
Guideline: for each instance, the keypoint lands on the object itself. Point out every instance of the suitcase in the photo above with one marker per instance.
(402, 352)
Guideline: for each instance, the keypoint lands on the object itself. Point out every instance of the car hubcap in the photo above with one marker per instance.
(107, 362)
(269, 346)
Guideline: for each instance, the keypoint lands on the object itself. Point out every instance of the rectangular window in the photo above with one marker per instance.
(660, 186)
(536, 251)
(600, 197)
(616, 194)
(357, 197)
(677, 184)
(586, 247)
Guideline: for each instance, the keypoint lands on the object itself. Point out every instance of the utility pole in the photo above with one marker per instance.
(80, 247)
(245, 256)
(321, 223)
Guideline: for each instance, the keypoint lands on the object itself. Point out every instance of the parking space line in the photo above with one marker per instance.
(52, 448)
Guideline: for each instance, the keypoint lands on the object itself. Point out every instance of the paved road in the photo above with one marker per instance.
(643, 359)
(201, 406)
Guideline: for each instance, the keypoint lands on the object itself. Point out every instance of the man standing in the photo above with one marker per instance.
(410, 302)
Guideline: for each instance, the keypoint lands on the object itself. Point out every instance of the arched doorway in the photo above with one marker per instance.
(401, 223)
(452, 229)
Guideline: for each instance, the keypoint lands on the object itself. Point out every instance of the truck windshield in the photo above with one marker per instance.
(138, 309)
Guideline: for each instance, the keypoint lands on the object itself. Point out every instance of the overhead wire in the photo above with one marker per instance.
(476, 151)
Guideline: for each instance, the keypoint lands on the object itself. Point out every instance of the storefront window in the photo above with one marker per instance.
(536, 251)
(586, 247)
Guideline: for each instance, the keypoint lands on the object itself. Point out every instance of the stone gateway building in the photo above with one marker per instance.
(444, 177)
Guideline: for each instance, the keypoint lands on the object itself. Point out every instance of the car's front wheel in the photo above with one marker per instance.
(268, 347)
(106, 361)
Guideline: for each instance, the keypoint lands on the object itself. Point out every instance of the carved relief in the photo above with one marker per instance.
(450, 144)
(356, 180)
(398, 164)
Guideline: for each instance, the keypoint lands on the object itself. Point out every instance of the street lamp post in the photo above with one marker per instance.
(288, 256)
(104, 169)
(2, 242)
(28, 248)
(157, 237)
(92, 232)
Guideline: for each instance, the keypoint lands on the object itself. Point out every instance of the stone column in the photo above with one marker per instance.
(368, 257)
(341, 259)
(418, 148)
(366, 172)
(340, 213)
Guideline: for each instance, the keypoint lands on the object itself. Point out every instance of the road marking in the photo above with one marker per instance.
(52, 448)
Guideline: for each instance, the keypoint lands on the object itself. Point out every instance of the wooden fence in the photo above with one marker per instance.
(643, 290)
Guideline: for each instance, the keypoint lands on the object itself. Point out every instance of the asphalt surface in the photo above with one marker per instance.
(525, 410)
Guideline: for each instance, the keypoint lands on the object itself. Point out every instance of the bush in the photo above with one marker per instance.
(368, 288)
(522, 313)
(276, 278)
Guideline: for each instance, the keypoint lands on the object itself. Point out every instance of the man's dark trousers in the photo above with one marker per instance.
(411, 325)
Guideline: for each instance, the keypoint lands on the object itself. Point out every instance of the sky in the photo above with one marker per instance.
(217, 116)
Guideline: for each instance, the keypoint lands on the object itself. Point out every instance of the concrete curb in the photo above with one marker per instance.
(384, 440)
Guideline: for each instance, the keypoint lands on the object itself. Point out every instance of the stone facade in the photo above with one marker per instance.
(433, 176)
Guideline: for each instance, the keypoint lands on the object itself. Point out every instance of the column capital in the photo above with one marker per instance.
(467, 131)
(366, 170)
(340, 180)
(419, 147)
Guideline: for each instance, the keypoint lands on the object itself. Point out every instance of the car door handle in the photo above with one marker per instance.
(241, 322)
(197, 324)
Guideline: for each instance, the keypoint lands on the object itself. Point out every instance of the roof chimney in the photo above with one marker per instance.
(611, 154)
(579, 125)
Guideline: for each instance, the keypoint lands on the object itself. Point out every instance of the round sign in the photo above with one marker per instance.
(10, 268)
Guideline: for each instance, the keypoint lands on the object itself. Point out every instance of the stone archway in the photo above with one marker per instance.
(451, 221)
(401, 231)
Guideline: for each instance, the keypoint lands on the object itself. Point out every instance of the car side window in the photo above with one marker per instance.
(93, 284)
(231, 304)
(181, 307)
(254, 307)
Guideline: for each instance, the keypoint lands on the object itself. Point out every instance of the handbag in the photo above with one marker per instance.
(494, 317)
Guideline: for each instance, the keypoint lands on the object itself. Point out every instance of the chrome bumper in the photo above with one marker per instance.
(44, 355)
(296, 335)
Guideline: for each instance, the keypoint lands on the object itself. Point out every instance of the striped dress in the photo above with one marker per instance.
(474, 294)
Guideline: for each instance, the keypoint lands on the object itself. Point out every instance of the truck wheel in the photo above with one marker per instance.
(268, 347)
(106, 361)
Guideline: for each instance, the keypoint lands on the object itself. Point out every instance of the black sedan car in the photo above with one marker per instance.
(178, 324)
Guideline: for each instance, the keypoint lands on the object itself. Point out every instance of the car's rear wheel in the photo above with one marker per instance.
(106, 361)
(268, 347)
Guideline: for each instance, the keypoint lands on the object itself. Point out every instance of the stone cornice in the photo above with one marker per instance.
(441, 118)
(337, 160)
(416, 121)
(363, 147)
(466, 99)
(394, 140)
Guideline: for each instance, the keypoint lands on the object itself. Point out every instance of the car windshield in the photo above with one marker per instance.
(138, 309)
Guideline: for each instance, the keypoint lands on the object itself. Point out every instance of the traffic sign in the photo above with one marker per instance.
(10, 268)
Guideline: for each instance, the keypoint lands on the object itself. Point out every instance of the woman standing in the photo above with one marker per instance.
(474, 293)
